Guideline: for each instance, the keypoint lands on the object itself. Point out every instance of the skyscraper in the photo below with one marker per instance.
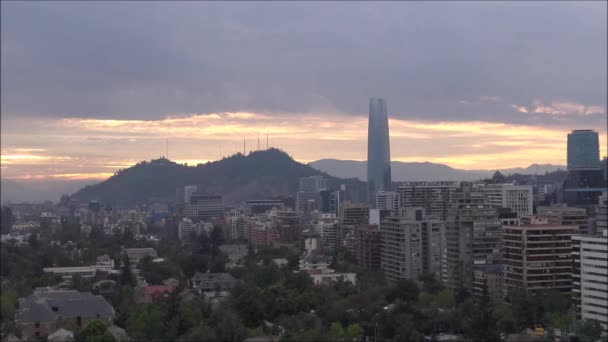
(583, 150)
(378, 150)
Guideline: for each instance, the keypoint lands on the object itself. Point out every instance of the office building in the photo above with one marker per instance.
(583, 150)
(330, 201)
(411, 244)
(518, 198)
(590, 276)
(378, 150)
(582, 188)
(201, 206)
(434, 197)
(473, 237)
(253, 207)
(561, 214)
(313, 184)
(537, 256)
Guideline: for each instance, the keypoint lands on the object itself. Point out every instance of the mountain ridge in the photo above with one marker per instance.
(422, 171)
(260, 174)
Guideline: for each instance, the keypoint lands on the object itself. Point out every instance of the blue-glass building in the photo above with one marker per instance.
(378, 150)
(583, 150)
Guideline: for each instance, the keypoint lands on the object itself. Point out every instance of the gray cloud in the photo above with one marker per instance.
(149, 59)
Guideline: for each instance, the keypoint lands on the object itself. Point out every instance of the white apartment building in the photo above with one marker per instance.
(590, 276)
(518, 198)
(185, 227)
(387, 200)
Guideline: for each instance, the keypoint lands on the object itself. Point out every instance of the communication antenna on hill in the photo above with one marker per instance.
(167, 149)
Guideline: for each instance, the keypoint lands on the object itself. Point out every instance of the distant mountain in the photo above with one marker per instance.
(260, 174)
(421, 171)
(37, 190)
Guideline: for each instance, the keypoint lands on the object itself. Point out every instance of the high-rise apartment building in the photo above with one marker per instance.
(387, 200)
(365, 246)
(561, 214)
(518, 198)
(411, 244)
(537, 256)
(473, 237)
(601, 219)
(351, 216)
(185, 228)
(287, 224)
(434, 197)
(590, 276)
(378, 150)
(583, 150)
(326, 224)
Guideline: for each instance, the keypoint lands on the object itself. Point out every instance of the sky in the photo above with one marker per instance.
(88, 88)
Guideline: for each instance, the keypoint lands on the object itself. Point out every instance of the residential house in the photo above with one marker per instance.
(41, 313)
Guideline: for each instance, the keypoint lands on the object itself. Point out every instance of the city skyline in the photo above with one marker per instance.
(205, 84)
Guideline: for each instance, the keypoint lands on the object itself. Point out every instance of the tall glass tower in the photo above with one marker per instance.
(378, 150)
(583, 150)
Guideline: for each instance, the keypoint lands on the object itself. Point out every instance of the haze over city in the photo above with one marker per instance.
(90, 88)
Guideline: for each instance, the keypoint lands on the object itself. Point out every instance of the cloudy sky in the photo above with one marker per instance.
(88, 88)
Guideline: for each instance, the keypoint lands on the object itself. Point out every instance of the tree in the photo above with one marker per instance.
(78, 283)
(8, 304)
(33, 240)
(147, 323)
(228, 325)
(126, 276)
(353, 332)
(444, 299)
(483, 325)
(96, 331)
(589, 328)
(403, 289)
(200, 334)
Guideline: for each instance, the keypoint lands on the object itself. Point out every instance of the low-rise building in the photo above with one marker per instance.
(83, 271)
(328, 278)
(235, 253)
(204, 282)
(137, 254)
(149, 294)
(45, 310)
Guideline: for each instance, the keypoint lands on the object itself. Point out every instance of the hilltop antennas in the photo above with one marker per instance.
(167, 149)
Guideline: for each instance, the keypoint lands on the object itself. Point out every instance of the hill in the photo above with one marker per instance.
(260, 174)
(421, 171)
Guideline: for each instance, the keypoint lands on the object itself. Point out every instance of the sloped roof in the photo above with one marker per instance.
(45, 306)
